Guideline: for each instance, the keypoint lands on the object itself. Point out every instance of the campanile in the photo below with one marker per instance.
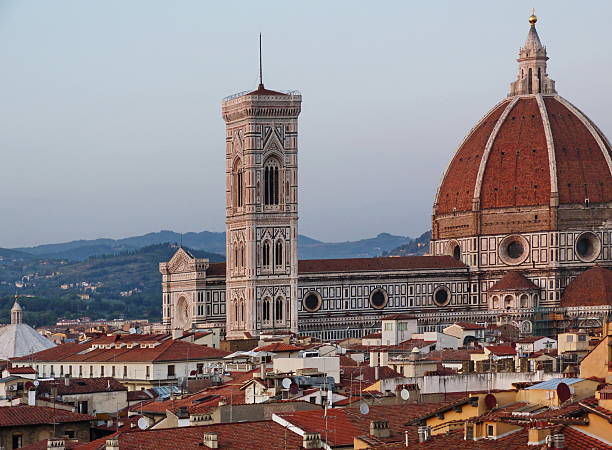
(261, 212)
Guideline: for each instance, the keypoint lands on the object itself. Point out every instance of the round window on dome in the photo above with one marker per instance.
(378, 298)
(441, 296)
(514, 249)
(588, 246)
(312, 301)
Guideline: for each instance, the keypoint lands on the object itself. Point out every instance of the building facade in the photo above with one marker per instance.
(524, 208)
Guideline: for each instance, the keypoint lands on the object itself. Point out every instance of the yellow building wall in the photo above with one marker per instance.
(468, 411)
(598, 426)
(582, 389)
(595, 364)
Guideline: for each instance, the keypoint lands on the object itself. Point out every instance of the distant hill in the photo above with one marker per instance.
(125, 284)
(418, 246)
(213, 242)
(365, 248)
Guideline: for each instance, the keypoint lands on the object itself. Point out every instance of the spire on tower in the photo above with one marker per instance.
(261, 86)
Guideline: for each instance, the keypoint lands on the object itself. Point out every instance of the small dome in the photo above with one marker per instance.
(16, 307)
(590, 288)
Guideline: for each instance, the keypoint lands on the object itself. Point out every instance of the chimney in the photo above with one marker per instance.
(56, 444)
(424, 433)
(32, 397)
(380, 429)
(373, 359)
(112, 444)
(538, 435)
(311, 440)
(211, 440)
(384, 358)
(67, 380)
(558, 440)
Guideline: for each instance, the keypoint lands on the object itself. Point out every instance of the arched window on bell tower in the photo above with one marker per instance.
(265, 254)
(278, 309)
(272, 183)
(237, 185)
(278, 253)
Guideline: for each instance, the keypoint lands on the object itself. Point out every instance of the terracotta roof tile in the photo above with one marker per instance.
(240, 435)
(513, 281)
(13, 416)
(591, 288)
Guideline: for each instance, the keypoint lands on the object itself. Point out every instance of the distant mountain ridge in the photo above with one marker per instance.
(214, 242)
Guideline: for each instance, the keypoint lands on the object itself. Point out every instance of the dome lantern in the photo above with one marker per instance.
(532, 77)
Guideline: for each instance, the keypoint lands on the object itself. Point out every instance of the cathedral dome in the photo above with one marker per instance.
(591, 288)
(532, 149)
(529, 150)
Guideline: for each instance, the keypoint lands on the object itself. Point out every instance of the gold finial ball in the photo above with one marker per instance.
(533, 19)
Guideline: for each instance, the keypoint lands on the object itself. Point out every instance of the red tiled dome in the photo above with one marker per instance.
(527, 149)
(590, 288)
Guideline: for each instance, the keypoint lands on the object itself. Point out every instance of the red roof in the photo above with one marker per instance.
(341, 425)
(368, 374)
(398, 316)
(169, 350)
(590, 288)
(261, 90)
(377, 335)
(513, 281)
(21, 371)
(239, 435)
(501, 350)
(14, 416)
(308, 266)
(378, 264)
(279, 347)
(81, 386)
(517, 170)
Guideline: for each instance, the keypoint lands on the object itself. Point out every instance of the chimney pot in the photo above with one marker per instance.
(380, 429)
(211, 440)
(311, 440)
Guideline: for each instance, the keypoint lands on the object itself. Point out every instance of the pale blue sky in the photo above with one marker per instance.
(110, 110)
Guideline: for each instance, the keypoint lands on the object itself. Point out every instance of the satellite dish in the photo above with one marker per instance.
(490, 401)
(143, 423)
(286, 383)
(36, 383)
(364, 408)
(405, 394)
(563, 392)
(294, 388)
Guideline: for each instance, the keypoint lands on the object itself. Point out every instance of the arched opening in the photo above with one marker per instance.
(271, 182)
(530, 82)
(266, 309)
(457, 252)
(241, 311)
(237, 185)
(265, 257)
(508, 301)
(278, 309)
(495, 302)
(278, 257)
(539, 79)
(524, 300)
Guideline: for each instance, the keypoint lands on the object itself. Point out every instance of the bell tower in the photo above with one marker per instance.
(261, 212)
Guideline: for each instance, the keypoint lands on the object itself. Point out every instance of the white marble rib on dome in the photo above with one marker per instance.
(20, 339)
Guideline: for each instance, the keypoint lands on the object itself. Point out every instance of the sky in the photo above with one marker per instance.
(110, 120)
